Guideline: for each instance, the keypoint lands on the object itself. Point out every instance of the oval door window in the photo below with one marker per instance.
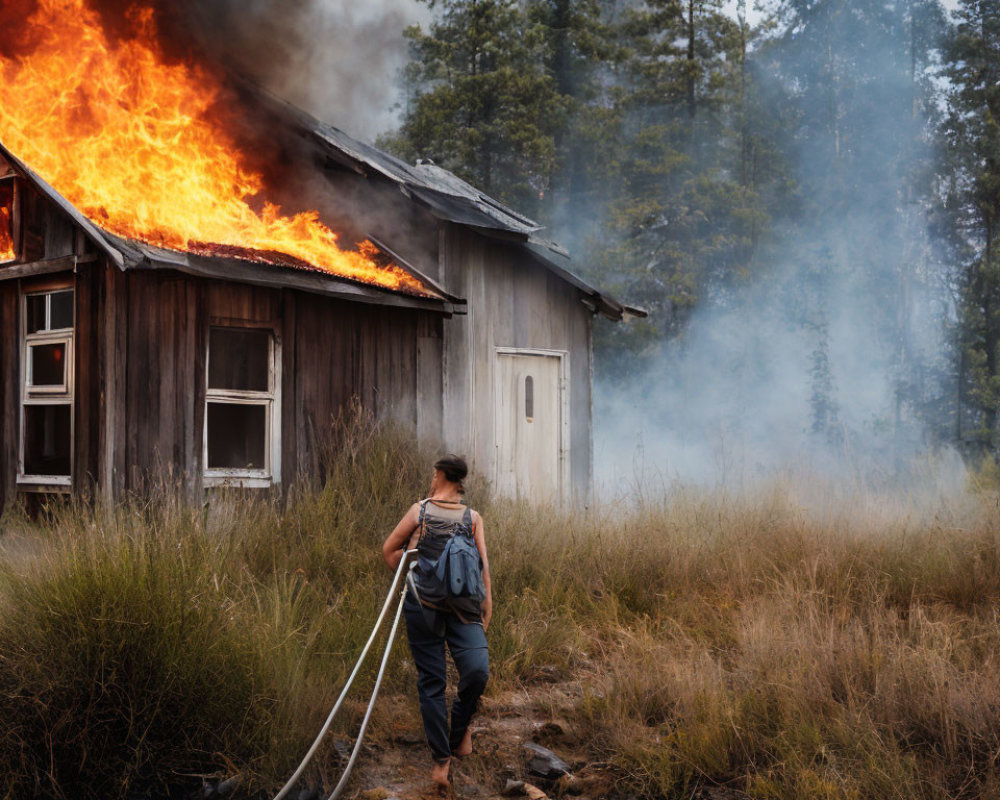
(529, 398)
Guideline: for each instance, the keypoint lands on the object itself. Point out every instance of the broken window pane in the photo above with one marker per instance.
(237, 436)
(7, 252)
(35, 307)
(61, 313)
(238, 359)
(47, 440)
(48, 364)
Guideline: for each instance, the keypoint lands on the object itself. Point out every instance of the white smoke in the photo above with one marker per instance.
(337, 60)
(732, 403)
(832, 363)
(345, 68)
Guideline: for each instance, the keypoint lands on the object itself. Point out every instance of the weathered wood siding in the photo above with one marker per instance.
(164, 376)
(141, 337)
(344, 350)
(112, 331)
(514, 302)
(331, 351)
(50, 247)
(140, 348)
(88, 365)
(9, 394)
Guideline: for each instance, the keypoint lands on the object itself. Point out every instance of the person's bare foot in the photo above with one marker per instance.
(439, 774)
(465, 746)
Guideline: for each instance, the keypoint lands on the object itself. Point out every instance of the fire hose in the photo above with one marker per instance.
(405, 564)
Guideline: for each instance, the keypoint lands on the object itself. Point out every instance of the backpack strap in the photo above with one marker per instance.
(420, 520)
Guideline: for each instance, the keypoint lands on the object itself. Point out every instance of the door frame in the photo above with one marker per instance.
(564, 407)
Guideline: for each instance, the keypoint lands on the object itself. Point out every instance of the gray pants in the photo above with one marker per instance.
(467, 643)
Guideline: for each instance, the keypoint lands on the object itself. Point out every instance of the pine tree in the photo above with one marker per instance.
(688, 214)
(481, 101)
(973, 137)
(860, 74)
(581, 53)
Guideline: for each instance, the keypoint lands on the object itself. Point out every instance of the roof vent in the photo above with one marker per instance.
(425, 162)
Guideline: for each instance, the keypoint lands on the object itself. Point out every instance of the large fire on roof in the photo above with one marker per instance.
(128, 138)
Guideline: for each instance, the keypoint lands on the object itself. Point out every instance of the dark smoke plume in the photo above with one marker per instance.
(332, 58)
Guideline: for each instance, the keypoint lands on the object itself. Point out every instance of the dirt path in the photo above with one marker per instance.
(396, 765)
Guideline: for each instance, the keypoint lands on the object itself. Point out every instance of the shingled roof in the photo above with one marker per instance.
(447, 197)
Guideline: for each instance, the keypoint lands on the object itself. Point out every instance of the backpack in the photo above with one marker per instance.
(448, 564)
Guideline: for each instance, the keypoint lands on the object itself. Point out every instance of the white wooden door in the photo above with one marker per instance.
(529, 426)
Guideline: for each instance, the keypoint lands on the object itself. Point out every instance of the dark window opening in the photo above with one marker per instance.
(238, 359)
(529, 398)
(8, 252)
(52, 311)
(237, 436)
(47, 439)
(240, 405)
(36, 305)
(61, 310)
(48, 364)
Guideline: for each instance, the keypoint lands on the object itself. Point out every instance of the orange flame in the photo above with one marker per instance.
(6, 240)
(126, 139)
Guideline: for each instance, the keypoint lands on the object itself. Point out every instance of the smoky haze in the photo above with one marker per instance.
(822, 364)
(332, 58)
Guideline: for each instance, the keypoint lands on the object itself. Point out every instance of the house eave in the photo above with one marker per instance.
(279, 277)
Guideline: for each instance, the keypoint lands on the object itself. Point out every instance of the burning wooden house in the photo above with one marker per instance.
(140, 334)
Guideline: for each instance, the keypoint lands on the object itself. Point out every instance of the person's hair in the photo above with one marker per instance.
(454, 468)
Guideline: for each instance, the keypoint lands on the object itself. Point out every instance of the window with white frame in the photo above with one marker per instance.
(46, 451)
(242, 443)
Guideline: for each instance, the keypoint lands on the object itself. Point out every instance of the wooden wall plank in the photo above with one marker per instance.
(289, 432)
(233, 303)
(575, 326)
(37, 268)
(59, 236)
(164, 358)
(162, 381)
(484, 338)
(304, 378)
(113, 371)
(187, 445)
(199, 376)
(345, 351)
(9, 390)
(430, 389)
(86, 387)
(94, 275)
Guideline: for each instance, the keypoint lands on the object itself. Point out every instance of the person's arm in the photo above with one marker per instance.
(395, 545)
(480, 536)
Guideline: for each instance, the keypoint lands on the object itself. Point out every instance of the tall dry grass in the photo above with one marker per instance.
(719, 641)
(158, 641)
(790, 658)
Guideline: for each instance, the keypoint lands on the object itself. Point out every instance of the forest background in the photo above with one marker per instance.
(804, 195)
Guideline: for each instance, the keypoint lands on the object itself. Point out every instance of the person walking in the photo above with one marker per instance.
(433, 622)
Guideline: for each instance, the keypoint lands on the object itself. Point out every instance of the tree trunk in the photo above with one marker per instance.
(692, 64)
